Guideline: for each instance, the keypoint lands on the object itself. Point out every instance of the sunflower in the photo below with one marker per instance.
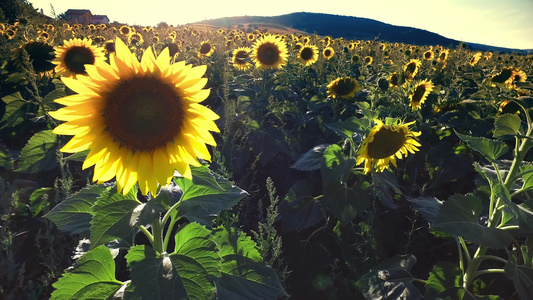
(429, 55)
(269, 52)
(206, 49)
(394, 80)
(368, 60)
(125, 30)
(40, 55)
(308, 54)
(241, 58)
(411, 68)
(443, 56)
(505, 77)
(508, 107)
(420, 94)
(519, 76)
(140, 120)
(328, 52)
(173, 48)
(109, 47)
(10, 33)
(343, 87)
(250, 36)
(74, 55)
(135, 39)
(43, 35)
(385, 143)
(475, 59)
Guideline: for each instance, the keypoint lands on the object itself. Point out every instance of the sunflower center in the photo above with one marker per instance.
(327, 52)
(76, 57)
(344, 87)
(386, 143)
(411, 68)
(205, 48)
(240, 56)
(143, 113)
(307, 53)
(268, 54)
(419, 93)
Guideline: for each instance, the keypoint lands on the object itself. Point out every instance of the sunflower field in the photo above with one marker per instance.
(195, 162)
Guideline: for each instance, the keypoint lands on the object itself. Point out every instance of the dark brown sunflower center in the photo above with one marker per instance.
(411, 68)
(394, 79)
(386, 142)
(205, 48)
(143, 113)
(268, 54)
(344, 87)
(125, 30)
(427, 55)
(327, 53)
(240, 56)
(307, 54)
(419, 93)
(76, 57)
(504, 75)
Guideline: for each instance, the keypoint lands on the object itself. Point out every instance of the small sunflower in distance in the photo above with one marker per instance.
(140, 120)
(269, 52)
(205, 49)
(429, 55)
(411, 68)
(240, 58)
(420, 94)
(125, 30)
(328, 52)
(475, 59)
(72, 57)
(385, 143)
(308, 54)
(343, 87)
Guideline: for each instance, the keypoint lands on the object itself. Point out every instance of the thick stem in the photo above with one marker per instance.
(158, 235)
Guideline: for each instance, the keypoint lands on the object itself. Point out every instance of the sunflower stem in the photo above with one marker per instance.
(158, 235)
(147, 234)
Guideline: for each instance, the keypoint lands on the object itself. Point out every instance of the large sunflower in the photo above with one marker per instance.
(141, 120)
(345, 87)
(269, 52)
(206, 49)
(40, 55)
(328, 52)
(240, 58)
(385, 143)
(505, 77)
(420, 94)
(74, 55)
(308, 54)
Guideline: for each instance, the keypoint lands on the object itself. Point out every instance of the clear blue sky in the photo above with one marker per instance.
(505, 23)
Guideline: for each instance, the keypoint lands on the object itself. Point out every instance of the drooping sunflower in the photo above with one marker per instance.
(72, 57)
(429, 55)
(368, 60)
(205, 49)
(343, 87)
(40, 55)
(394, 80)
(475, 59)
(519, 76)
(328, 52)
(269, 52)
(240, 58)
(420, 94)
(411, 68)
(140, 120)
(125, 30)
(308, 54)
(505, 77)
(385, 143)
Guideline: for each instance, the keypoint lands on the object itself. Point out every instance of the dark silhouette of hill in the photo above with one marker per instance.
(353, 28)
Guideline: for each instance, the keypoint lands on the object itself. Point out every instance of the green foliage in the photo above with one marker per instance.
(40, 153)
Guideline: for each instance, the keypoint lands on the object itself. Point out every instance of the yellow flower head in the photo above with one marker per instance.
(240, 58)
(475, 59)
(269, 52)
(206, 49)
(429, 55)
(384, 144)
(420, 94)
(140, 120)
(328, 52)
(308, 54)
(74, 55)
(345, 87)
(411, 68)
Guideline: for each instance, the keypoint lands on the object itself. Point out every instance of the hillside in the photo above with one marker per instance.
(347, 27)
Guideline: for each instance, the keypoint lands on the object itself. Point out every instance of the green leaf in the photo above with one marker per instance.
(428, 206)
(299, 209)
(74, 214)
(36, 200)
(186, 273)
(345, 203)
(459, 216)
(78, 156)
(15, 110)
(527, 175)
(347, 128)
(48, 100)
(93, 277)
(491, 149)
(334, 165)
(444, 275)
(6, 161)
(40, 153)
(522, 276)
(521, 213)
(507, 124)
(310, 160)
(229, 241)
(390, 280)
(114, 218)
(382, 183)
(202, 202)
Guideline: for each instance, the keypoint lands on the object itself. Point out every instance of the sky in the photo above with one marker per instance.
(503, 23)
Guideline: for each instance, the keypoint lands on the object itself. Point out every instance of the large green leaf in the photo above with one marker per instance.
(521, 275)
(40, 153)
(345, 203)
(491, 149)
(6, 161)
(93, 277)
(311, 160)
(382, 183)
(346, 128)
(299, 209)
(15, 110)
(390, 280)
(75, 213)
(507, 124)
(459, 216)
(521, 213)
(427, 206)
(202, 202)
(243, 274)
(443, 276)
(334, 165)
(113, 218)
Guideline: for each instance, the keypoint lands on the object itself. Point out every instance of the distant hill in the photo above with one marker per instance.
(353, 28)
